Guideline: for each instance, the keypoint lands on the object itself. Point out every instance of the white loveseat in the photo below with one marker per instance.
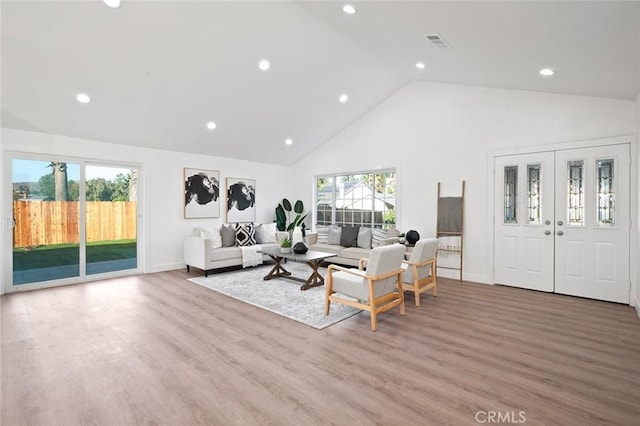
(204, 249)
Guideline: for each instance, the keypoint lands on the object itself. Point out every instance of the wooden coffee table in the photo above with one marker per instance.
(311, 258)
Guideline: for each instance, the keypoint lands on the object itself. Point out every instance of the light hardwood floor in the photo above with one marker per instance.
(156, 349)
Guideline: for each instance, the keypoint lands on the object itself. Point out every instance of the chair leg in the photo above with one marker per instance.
(327, 302)
(374, 320)
(416, 291)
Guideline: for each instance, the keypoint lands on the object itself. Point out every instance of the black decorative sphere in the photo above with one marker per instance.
(412, 237)
(300, 248)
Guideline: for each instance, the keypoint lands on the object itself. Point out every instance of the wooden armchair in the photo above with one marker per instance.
(376, 289)
(420, 269)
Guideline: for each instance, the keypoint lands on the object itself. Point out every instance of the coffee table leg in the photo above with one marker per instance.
(315, 279)
(277, 270)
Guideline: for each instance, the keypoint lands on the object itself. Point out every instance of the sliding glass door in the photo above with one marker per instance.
(71, 220)
(46, 221)
(111, 214)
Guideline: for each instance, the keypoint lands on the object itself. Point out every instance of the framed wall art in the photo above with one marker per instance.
(201, 193)
(241, 200)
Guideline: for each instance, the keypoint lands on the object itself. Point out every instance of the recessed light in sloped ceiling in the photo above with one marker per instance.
(349, 9)
(546, 72)
(264, 65)
(343, 98)
(420, 65)
(83, 98)
(112, 3)
(211, 125)
(288, 142)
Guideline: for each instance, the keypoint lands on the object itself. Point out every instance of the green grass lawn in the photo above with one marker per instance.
(69, 254)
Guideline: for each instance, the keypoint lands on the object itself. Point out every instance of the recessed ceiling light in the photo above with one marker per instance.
(348, 9)
(264, 65)
(211, 125)
(343, 98)
(288, 142)
(420, 65)
(112, 3)
(547, 72)
(83, 98)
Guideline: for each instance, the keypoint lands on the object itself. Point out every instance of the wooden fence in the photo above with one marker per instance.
(41, 223)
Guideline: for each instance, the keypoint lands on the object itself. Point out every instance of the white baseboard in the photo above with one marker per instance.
(165, 267)
(476, 278)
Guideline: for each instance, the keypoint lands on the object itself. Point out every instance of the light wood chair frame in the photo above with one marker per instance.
(375, 305)
(427, 283)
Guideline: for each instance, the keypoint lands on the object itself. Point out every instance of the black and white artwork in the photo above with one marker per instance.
(241, 200)
(201, 193)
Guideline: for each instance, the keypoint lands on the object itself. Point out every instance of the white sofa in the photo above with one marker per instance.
(325, 240)
(203, 249)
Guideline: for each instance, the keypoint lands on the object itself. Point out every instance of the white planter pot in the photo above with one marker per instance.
(285, 249)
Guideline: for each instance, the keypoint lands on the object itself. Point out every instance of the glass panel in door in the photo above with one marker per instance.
(111, 214)
(46, 214)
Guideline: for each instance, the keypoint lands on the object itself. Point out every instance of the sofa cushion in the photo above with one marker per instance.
(327, 248)
(355, 253)
(212, 234)
(245, 235)
(364, 237)
(266, 233)
(226, 253)
(349, 236)
(228, 234)
(334, 235)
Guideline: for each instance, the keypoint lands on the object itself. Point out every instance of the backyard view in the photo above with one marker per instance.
(47, 215)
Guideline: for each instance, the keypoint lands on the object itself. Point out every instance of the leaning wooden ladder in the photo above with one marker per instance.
(450, 224)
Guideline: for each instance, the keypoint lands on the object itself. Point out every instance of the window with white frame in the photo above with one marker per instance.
(359, 199)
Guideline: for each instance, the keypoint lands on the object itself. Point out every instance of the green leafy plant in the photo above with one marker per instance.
(284, 213)
(286, 242)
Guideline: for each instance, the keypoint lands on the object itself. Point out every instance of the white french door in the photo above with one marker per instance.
(562, 221)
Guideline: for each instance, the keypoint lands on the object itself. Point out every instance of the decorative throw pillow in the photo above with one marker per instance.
(213, 235)
(245, 235)
(228, 234)
(266, 233)
(349, 236)
(364, 238)
(378, 235)
(334, 235)
(323, 234)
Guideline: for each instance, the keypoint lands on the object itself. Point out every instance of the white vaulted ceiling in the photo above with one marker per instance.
(157, 72)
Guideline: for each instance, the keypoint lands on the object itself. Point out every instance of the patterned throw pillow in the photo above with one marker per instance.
(323, 234)
(349, 236)
(245, 235)
(378, 236)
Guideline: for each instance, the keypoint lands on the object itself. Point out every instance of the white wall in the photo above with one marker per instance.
(162, 186)
(441, 132)
(637, 218)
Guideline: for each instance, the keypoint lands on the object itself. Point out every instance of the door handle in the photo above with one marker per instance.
(560, 233)
(547, 222)
(547, 232)
(560, 223)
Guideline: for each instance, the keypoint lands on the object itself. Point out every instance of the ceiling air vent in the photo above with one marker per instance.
(437, 41)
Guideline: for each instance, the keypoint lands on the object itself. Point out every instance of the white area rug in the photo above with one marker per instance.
(280, 295)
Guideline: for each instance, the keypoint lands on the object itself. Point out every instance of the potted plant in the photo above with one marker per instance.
(284, 212)
(285, 245)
